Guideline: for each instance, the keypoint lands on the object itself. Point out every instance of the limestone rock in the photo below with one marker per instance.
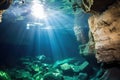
(96, 5)
(79, 33)
(1, 12)
(4, 4)
(65, 66)
(105, 28)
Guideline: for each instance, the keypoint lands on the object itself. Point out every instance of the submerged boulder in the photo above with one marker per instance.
(83, 76)
(53, 76)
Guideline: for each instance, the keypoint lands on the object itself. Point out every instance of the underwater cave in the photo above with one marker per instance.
(59, 40)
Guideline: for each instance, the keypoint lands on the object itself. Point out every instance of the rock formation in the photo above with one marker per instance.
(104, 25)
(4, 4)
(95, 5)
(105, 28)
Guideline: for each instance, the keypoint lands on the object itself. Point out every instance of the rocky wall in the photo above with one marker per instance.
(4, 4)
(105, 28)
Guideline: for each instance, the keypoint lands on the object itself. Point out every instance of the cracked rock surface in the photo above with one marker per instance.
(105, 28)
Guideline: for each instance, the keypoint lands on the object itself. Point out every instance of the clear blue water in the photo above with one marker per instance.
(19, 39)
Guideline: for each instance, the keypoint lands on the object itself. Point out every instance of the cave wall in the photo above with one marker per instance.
(105, 28)
(4, 4)
(104, 25)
